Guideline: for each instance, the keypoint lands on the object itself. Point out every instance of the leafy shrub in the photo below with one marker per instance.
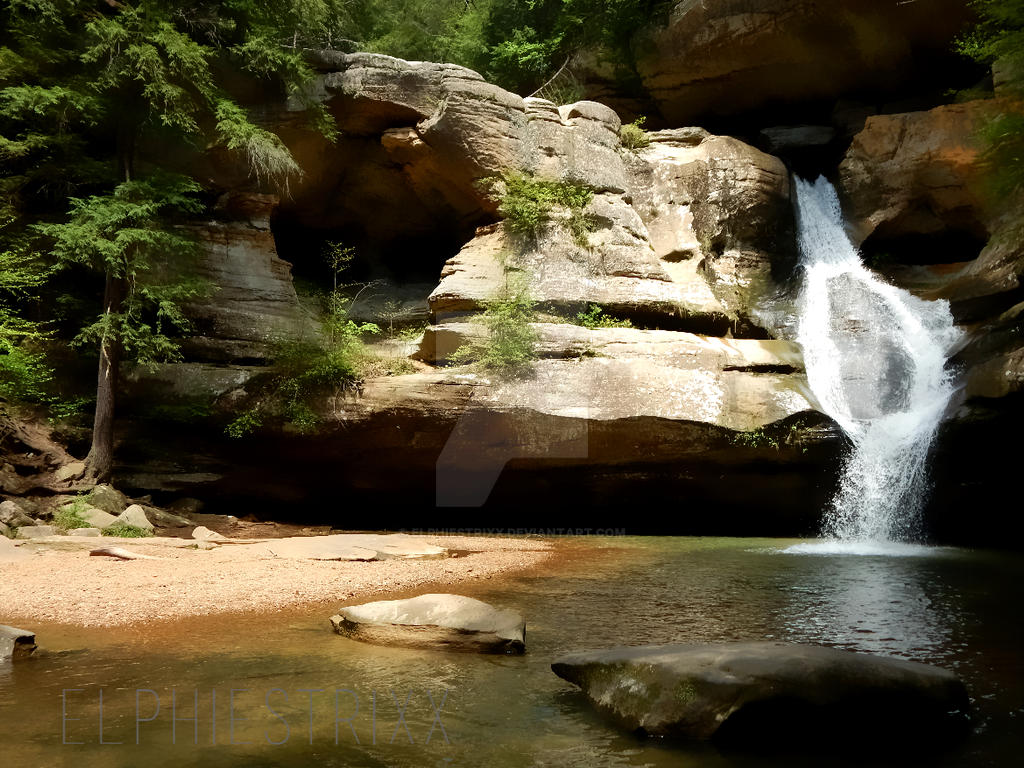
(372, 367)
(527, 204)
(125, 531)
(69, 517)
(633, 136)
(24, 374)
(511, 344)
(306, 371)
(595, 317)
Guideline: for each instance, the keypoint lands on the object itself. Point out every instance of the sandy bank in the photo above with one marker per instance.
(61, 583)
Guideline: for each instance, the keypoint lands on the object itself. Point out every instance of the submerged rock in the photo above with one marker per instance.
(735, 692)
(16, 643)
(447, 622)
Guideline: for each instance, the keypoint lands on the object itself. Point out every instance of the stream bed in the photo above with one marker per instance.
(304, 696)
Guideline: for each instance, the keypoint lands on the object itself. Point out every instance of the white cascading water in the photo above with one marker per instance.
(876, 361)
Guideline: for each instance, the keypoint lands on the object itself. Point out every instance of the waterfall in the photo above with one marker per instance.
(875, 358)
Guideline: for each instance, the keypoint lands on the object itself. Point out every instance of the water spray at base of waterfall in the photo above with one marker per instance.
(876, 362)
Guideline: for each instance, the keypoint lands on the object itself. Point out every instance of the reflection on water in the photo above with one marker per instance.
(297, 683)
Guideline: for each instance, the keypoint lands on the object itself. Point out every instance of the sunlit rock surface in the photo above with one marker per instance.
(915, 173)
(440, 621)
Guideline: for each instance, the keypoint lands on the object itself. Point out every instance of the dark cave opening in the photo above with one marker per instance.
(361, 198)
(946, 247)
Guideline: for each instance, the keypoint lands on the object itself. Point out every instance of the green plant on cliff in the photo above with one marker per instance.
(306, 372)
(595, 317)
(633, 135)
(998, 39)
(528, 204)
(756, 438)
(510, 347)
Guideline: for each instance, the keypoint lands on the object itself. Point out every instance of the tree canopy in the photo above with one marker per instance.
(102, 105)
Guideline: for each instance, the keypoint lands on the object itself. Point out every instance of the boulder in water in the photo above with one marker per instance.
(769, 694)
(15, 643)
(447, 622)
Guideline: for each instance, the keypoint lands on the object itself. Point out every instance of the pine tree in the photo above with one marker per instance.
(93, 96)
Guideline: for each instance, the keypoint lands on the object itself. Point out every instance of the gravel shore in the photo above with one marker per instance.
(62, 583)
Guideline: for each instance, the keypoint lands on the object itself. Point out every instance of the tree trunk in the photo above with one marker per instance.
(101, 455)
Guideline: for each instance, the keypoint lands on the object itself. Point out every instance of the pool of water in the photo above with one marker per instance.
(303, 695)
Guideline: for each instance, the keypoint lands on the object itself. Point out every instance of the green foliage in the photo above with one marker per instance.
(127, 235)
(511, 344)
(24, 373)
(528, 204)
(102, 105)
(518, 44)
(998, 38)
(528, 41)
(247, 422)
(306, 372)
(756, 438)
(633, 136)
(374, 367)
(594, 317)
(125, 531)
(70, 517)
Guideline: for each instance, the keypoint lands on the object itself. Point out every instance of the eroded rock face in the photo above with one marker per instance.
(252, 302)
(760, 694)
(623, 373)
(915, 173)
(446, 132)
(720, 203)
(444, 622)
(734, 56)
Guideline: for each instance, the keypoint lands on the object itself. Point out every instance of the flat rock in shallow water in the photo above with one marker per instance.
(446, 622)
(768, 695)
(15, 643)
